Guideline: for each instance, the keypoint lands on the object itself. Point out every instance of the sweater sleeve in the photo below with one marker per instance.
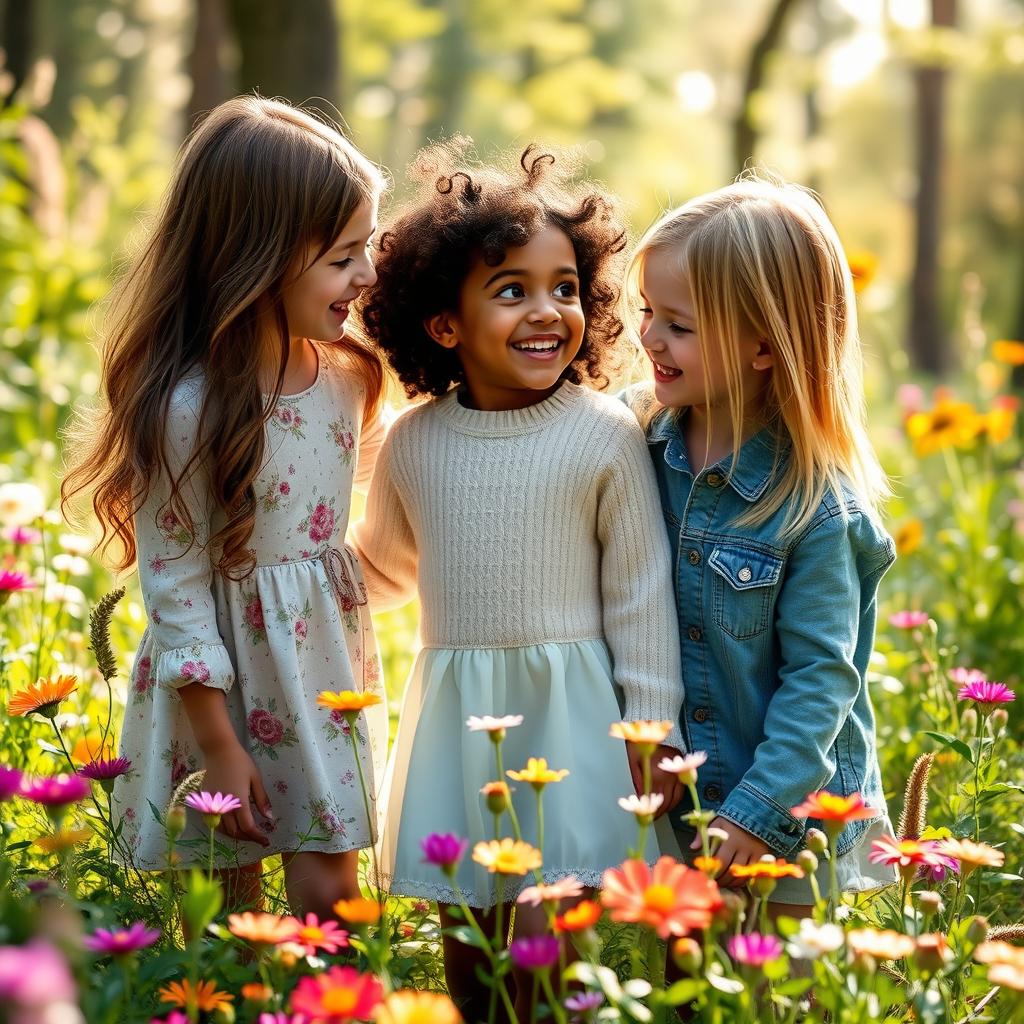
(638, 604)
(383, 539)
(175, 571)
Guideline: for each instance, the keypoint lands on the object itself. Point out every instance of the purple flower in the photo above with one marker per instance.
(103, 770)
(986, 694)
(55, 791)
(443, 850)
(938, 865)
(754, 949)
(34, 975)
(584, 1002)
(213, 803)
(534, 953)
(121, 940)
(10, 782)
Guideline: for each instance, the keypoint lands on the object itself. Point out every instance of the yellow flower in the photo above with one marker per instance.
(204, 996)
(537, 773)
(641, 732)
(412, 1007)
(507, 856)
(863, 267)
(1010, 352)
(997, 423)
(949, 424)
(348, 700)
(58, 841)
(358, 911)
(908, 536)
(42, 697)
(709, 865)
(777, 868)
(92, 748)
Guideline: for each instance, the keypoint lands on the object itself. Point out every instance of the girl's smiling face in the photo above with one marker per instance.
(519, 323)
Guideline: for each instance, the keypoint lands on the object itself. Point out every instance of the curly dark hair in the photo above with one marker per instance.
(463, 212)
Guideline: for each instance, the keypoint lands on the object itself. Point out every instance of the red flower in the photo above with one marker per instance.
(254, 614)
(265, 727)
(321, 523)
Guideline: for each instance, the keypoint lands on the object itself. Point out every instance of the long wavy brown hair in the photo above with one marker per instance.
(259, 186)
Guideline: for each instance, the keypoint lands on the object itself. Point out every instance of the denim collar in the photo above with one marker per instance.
(758, 458)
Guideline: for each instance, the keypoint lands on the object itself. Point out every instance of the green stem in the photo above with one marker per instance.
(553, 1003)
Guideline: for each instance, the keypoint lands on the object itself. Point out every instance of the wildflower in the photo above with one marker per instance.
(92, 748)
(906, 854)
(11, 583)
(104, 772)
(358, 911)
(534, 953)
(507, 856)
(494, 727)
(19, 535)
(497, 796)
(643, 733)
(971, 855)
(20, 503)
(986, 695)
(584, 1002)
(685, 766)
(212, 805)
(995, 951)
(338, 995)
(879, 944)
(997, 423)
(754, 949)
(257, 992)
(121, 941)
(564, 889)
(35, 978)
(1007, 976)
(815, 840)
(767, 868)
(670, 897)
(932, 952)
(807, 862)
(56, 791)
(1009, 352)
(584, 915)
(203, 996)
(644, 807)
(908, 619)
(75, 544)
(43, 697)
(863, 266)
(908, 536)
(949, 424)
(538, 774)
(10, 782)
(313, 934)
(814, 940)
(963, 676)
(835, 811)
(709, 865)
(348, 702)
(408, 1006)
(262, 929)
(63, 840)
(443, 850)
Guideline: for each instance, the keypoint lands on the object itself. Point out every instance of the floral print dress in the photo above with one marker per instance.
(297, 625)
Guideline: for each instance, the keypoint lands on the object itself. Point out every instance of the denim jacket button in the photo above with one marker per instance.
(714, 479)
(745, 575)
(694, 634)
(694, 558)
(701, 714)
(712, 792)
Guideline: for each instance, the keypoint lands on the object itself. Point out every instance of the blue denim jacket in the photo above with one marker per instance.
(776, 637)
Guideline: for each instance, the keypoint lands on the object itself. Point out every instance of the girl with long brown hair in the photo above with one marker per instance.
(238, 414)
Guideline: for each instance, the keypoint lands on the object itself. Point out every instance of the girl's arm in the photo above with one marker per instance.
(371, 437)
(636, 586)
(383, 539)
(822, 632)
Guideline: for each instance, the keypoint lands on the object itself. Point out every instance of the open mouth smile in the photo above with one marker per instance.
(542, 346)
(665, 373)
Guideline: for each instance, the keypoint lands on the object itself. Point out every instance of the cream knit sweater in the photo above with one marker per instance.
(531, 526)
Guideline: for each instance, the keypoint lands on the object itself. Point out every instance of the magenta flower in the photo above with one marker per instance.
(22, 535)
(11, 581)
(106, 769)
(986, 694)
(10, 782)
(908, 619)
(534, 953)
(963, 676)
(937, 866)
(55, 791)
(212, 805)
(584, 1002)
(443, 850)
(174, 1017)
(754, 949)
(34, 976)
(121, 940)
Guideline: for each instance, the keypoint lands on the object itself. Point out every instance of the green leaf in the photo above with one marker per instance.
(954, 744)
(684, 991)
(200, 903)
(468, 936)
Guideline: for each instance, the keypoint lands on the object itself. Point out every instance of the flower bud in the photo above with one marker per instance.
(998, 719)
(175, 820)
(969, 720)
(932, 952)
(808, 861)
(733, 908)
(224, 1014)
(977, 929)
(687, 954)
(497, 796)
(816, 841)
(930, 902)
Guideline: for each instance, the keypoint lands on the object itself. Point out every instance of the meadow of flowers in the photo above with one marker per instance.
(85, 936)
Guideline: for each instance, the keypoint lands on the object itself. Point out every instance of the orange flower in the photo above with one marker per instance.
(203, 997)
(43, 697)
(882, 945)
(412, 1007)
(92, 748)
(995, 951)
(1007, 976)
(670, 898)
(1010, 352)
(949, 424)
(257, 992)
(348, 700)
(584, 915)
(777, 868)
(997, 423)
(262, 929)
(507, 856)
(836, 811)
(908, 536)
(537, 773)
(709, 865)
(358, 911)
(972, 855)
(58, 841)
(643, 732)
(863, 267)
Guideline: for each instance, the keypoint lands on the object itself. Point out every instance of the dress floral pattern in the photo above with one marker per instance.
(272, 641)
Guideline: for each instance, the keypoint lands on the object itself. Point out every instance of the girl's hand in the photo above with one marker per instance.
(664, 783)
(230, 769)
(740, 848)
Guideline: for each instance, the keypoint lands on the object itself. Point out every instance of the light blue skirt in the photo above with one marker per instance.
(567, 698)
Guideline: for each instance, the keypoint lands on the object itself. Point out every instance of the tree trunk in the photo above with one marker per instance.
(288, 48)
(927, 342)
(17, 22)
(205, 63)
(745, 131)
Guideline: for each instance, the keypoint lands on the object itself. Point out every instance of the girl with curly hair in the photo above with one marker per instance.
(523, 506)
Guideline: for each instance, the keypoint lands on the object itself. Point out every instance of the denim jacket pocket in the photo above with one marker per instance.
(743, 585)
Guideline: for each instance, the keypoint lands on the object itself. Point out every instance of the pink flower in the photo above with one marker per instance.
(443, 850)
(157, 565)
(986, 694)
(284, 415)
(321, 523)
(300, 628)
(338, 995)
(106, 769)
(212, 805)
(122, 940)
(143, 679)
(10, 782)
(168, 522)
(754, 949)
(56, 791)
(284, 487)
(908, 619)
(254, 614)
(313, 934)
(34, 976)
(22, 535)
(534, 952)
(10, 582)
(963, 676)
(265, 727)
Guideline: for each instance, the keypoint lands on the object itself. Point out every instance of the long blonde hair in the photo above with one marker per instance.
(761, 255)
(257, 184)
